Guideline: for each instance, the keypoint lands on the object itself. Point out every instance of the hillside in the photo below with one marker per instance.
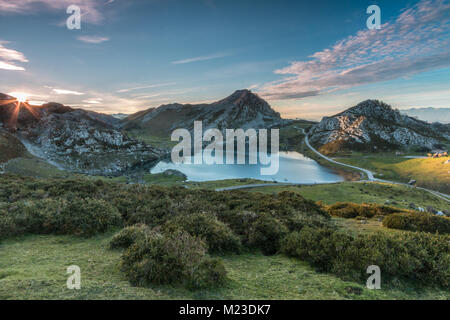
(242, 109)
(10, 147)
(74, 139)
(375, 126)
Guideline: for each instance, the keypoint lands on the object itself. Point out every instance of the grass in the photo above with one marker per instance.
(291, 137)
(163, 179)
(34, 267)
(36, 168)
(428, 172)
(212, 185)
(364, 192)
(162, 142)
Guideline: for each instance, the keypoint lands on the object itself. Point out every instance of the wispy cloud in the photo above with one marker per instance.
(9, 56)
(417, 40)
(9, 66)
(93, 101)
(93, 39)
(90, 9)
(203, 58)
(147, 87)
(67, 92)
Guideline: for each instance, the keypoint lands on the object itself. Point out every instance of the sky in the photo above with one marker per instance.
(308, 59)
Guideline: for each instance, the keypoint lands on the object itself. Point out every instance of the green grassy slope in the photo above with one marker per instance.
(34, 267)
(11, 147)
(360, 192)
(430, 173)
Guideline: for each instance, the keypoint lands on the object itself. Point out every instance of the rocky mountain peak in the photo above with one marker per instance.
(373, 125)
(242, 98)
(371, 109)
(242, 109)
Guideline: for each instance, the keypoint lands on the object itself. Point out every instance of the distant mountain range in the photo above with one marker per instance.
(96, 143)
(243, 109)
(429, 114)
(374, 126)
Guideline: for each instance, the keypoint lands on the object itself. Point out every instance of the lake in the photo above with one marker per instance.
(293, 167)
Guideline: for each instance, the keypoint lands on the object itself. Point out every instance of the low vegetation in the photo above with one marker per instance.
(218, 237)
(76, 216)
(34, 267)
(172, 258)
(365, 210)
(420, 256)
(398, 196)
(181, 237)
(418, 221)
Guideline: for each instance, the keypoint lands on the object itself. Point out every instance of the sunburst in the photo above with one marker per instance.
(20, 100)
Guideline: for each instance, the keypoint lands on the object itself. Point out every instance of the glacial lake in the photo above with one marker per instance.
(293, 167)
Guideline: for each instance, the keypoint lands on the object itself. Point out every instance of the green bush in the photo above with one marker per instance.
(210, 273)
(81, 217)
(217, 235)
(412, 255)
(418, 221)
(129, 235)
(170, 258)
(353, 210)
(266, 234)
(84, 217)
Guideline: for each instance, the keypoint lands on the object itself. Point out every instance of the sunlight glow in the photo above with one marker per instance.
(20, 96)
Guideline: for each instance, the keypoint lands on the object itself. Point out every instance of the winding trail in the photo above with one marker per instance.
(370, 177)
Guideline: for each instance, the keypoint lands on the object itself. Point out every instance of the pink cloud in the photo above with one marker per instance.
(9, 56)
(417, 40)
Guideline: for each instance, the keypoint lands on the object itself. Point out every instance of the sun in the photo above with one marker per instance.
(20, 96)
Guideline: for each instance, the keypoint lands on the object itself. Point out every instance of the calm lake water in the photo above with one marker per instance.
(293, 167)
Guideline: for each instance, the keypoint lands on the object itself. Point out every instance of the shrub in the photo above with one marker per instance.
(266, 234)
(81, 217)
(344, 209)
(353, 210)
(420, 256)
(418, 221)
(129, 235)
(210, 273)
(84, 217)
(217, 235)
(171, 258)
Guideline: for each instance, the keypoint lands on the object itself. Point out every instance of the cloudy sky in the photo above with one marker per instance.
(307, 58)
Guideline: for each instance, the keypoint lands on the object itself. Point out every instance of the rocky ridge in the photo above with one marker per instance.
(374, 126)
(243, 109)
(75, 139)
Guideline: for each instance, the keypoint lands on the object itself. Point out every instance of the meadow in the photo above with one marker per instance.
(432, 173)
(256, 238)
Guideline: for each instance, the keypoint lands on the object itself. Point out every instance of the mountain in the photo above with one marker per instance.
(374, 126)
(74, 139)
(441, 115)
(243, 109)
(120, 116)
